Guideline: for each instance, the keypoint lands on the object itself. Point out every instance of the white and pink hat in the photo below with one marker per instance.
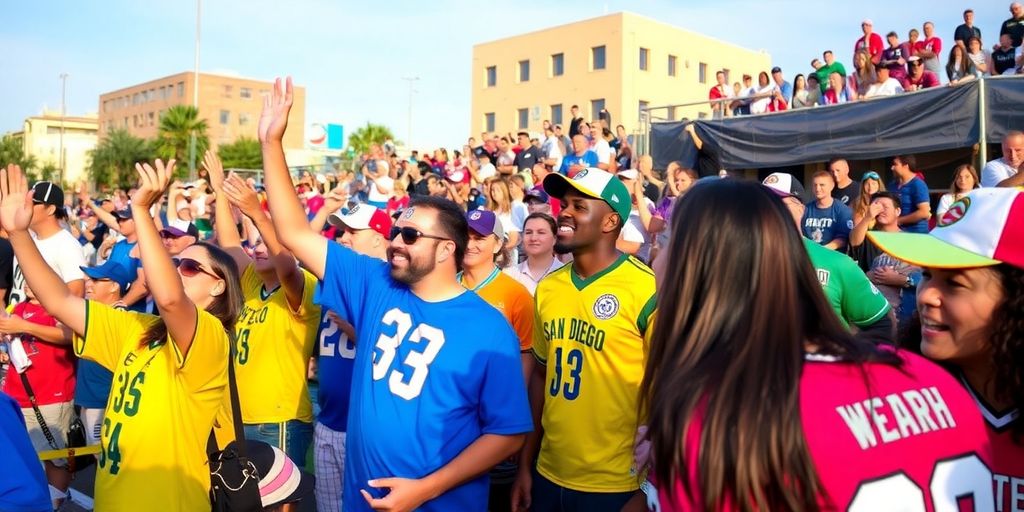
(281, 481)
(983, 228)
(363, 216)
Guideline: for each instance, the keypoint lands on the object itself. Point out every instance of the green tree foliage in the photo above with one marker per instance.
(112, 161)
(244, 153)
(12, 151)
(177, 126)
(365, 136)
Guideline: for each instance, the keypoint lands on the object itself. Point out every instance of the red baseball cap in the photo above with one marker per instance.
(363, 216)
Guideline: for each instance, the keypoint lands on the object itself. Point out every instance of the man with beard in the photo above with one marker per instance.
(437, 394)
(593, 320)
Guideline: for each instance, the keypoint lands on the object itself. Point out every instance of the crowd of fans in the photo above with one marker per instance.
(484, 326)
(879, 68)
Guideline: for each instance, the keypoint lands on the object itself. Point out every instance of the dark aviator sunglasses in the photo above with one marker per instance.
(410, 235)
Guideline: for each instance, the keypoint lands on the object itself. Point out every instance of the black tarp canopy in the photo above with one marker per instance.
(937, 119)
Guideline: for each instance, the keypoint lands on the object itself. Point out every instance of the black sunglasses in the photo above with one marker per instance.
(410, 235)
(189, 267)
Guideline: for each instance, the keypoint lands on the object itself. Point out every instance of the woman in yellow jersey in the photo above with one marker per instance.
(277, 328)
(170, 371)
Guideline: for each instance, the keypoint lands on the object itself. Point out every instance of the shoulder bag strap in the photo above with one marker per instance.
(35, 408)
(236, 409)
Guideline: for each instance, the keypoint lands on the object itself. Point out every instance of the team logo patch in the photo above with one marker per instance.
(606, 306)
(353, 210)
(955, 213)
(580, 175)
(771, 180)
(408, 213)
(475, 215)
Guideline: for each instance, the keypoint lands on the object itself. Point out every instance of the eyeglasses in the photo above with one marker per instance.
(410, 235)
(189, 267)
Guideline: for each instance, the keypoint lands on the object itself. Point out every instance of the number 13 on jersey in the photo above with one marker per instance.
(566, 378)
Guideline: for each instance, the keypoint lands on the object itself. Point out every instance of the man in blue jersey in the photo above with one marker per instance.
(437, 393)
(364, 229)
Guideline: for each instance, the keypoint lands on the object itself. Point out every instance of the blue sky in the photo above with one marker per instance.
(351, 56)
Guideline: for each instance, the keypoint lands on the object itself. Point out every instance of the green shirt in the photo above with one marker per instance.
(854, 298)
(823, 72)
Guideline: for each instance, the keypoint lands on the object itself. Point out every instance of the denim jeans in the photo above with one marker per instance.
(551, 497)
(294, 440)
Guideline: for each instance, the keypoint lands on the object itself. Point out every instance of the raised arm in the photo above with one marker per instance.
(288, 274)
(101, 214)
(224, 223)
(50, 289)
(177, 310)
(333, 201)
(285, 209)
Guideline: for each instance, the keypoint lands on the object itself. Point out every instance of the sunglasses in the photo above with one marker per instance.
(871, 176)
(411, 235)
(189, 267)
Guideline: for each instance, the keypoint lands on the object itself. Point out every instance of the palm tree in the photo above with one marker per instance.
(177, 126)
(365, 136)
(12, 151)
(112, 161)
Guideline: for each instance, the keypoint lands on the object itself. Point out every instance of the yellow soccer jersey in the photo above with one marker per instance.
(273, 345)
(160, 411)
(592, 335)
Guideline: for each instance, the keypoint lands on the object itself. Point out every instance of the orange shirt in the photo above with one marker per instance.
(513, 300)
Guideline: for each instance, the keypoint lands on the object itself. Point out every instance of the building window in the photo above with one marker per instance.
(644, 54)
(524, 118)
(126, 122)
(227, 91)
(151, 117)
(136, 98)
(135, 121)
(524, 71)
(181, 89)
(492, 76)
(556, 114)
(642, 105)
(671, 65)
(597, 57)
(225, 116)
(702, 73)
(671, 113)
(596, 106)
(489, 122)
(243, 118)
(558, 64)
(245, 92)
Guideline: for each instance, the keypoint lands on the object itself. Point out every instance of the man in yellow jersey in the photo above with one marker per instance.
(276, 329)
(480, 274)
(590, 336)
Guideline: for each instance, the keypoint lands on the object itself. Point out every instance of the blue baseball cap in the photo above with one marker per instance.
(113, 271)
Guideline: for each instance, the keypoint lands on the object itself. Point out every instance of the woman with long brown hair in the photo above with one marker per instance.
(870, 184)
(965, 179)
(757, 398)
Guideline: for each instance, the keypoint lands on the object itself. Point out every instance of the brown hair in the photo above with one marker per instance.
(730, 341)
(860, 208)
(225, 307)
(956, 174)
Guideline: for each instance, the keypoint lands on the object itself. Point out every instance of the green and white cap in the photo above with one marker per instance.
(595, 183)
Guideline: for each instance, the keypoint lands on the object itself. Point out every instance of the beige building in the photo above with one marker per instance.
(41, 136)
(621, 62)
(230, 105)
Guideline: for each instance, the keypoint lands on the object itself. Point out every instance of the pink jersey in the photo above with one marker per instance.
(1007, 455)
(912, 439)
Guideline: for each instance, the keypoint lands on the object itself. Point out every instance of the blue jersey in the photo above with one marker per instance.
(334, 373)
(23, 486)
(589, 159)
(429, 379)
(824, 225)
(92, 385)
(913, 193)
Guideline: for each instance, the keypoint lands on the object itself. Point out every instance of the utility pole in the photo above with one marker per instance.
(63, 112)
(411, 80)
(195, 98)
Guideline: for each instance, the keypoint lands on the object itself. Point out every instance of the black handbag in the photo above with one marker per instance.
(76, 431)
(234, 480)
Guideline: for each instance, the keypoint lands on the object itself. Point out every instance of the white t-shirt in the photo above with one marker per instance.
(603, 150)
(634, 231)
(509, 226)
(890, 87)
(62, 253)
(486, 171)
(376, 195)
(995, 171)
(552, 150)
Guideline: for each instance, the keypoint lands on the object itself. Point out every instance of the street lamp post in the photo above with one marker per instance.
(410, 79)
(195, 99)
(63, 112)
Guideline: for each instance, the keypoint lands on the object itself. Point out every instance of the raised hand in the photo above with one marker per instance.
(874, 209)
(336, 198)
(274, 118)
(153, 183)
(214, 167)
(241, 195)
(15, 200)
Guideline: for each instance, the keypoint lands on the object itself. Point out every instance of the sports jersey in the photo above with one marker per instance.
(52, 374)
(429, 379)
(823, 225)
(853, 297)
(334, 374)
(1008, 455)
(273, 345)
(912, 193)
(513, 300)
(160, 412)
(880, 437)
(591, 335)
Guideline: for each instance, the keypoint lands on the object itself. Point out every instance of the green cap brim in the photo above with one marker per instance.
(925, 250)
